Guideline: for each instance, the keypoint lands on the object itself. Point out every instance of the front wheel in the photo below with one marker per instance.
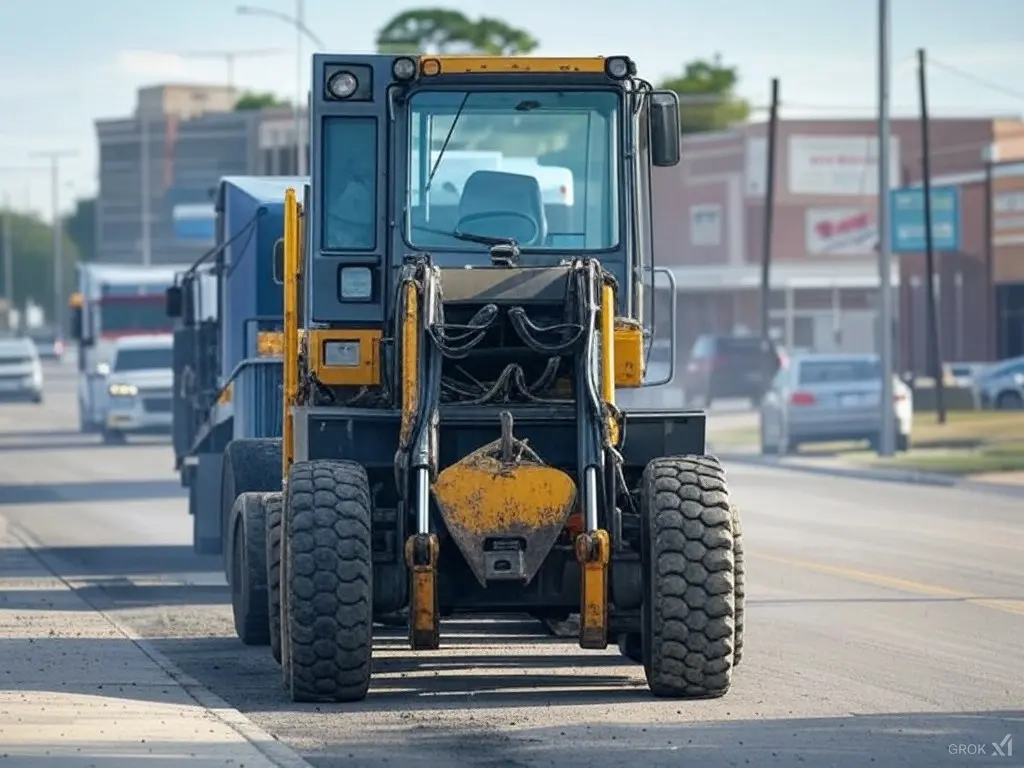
(328, 582)
(689, 609)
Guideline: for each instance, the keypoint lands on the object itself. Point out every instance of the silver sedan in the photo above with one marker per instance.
(829, 398)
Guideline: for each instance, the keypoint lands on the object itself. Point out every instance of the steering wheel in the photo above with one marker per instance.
(471, 217)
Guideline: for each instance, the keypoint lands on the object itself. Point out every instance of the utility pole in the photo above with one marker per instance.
(58, 234)
(300, 145)
(6, 242)
(934, 340)
(887, 440)
(990, 156)
(229, 58)
(769, 214)
(145, 191)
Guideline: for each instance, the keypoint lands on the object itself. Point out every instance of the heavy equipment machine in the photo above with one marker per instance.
(227, 372)
(453, 440)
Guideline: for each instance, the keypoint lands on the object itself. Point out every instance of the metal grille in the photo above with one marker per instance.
(257, 399)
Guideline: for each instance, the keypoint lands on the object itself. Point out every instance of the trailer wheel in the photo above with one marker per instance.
(740, 580)
(689, 609)
(328, 591)
(249, 570)
(272, 507)
(250, 465)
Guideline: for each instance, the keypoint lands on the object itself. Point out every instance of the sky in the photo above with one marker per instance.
(66, 63)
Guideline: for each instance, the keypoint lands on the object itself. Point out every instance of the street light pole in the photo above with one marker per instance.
(300, 154)
(301, 30)
(886, 442)
(58, 234)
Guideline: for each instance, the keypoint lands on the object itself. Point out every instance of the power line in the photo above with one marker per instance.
(58, 232)
(229, 58)
(977, 80)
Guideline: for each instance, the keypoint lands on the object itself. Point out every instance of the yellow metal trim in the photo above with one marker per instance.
(76, 301)
(269, 344)
(290, 362)
(410, 361)
(629, 354)
(225, 396)
(424, 622)
(593, 553)
(454, 65)
(366, 374)
(608, 355)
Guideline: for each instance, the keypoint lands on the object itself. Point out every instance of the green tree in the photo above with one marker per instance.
(80, 226)
(32, 246)
(258, 100)
(441, 30)
(707, 96)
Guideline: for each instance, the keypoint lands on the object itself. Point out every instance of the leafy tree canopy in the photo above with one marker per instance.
(441, 30)
(707, 96)
(31, 241)
(255, 100)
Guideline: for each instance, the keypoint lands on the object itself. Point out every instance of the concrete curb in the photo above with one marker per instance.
(906, 477)
(275, 751)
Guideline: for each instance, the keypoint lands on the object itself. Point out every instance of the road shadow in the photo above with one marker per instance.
(75, 441)
(883, 740)
(90, 492)
(128, 753)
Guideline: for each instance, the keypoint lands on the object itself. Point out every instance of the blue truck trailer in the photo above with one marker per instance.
(227, 360)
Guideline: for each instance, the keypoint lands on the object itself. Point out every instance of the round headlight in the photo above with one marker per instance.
(342, 85)
(404, 69)
(617, 68)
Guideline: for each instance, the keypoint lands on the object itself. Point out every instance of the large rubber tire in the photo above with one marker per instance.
(328, 591)
(249, 605)
(273, 504)
(251, 465)
(688, 613)
(740, 579)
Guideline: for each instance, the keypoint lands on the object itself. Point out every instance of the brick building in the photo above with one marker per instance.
(709, 221)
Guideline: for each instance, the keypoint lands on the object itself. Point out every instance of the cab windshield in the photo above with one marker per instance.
(537, 167)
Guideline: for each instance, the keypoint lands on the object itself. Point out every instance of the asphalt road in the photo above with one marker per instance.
(885, 627)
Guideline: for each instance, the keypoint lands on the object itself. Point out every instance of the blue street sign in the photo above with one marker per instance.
(906, 233)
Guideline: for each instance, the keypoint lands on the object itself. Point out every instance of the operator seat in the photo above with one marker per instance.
(496, 192)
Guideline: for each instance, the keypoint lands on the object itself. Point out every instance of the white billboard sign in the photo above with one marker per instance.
(838, 165)
(840, 232)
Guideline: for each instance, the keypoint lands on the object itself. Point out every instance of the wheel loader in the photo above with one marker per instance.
(465, 428)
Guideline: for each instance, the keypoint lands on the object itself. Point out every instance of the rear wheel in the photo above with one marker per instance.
(113, 437)
(328, 586)
(740, 580)
(273, 504)
(248, 582)
(250, 465)
(1011, 401)
(689, 609)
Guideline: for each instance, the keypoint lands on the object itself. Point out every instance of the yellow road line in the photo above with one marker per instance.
(890, 582)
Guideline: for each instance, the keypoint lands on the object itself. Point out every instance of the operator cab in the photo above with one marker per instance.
(482, 171)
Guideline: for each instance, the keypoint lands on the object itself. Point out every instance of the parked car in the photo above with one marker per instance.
(139, 387)
(21, 372)
(830, 398)
(1002, 385)
(48, 342)
(729, 367)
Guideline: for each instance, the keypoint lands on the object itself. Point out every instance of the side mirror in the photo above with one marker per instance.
(76, 324)
(279, 261)
(665, 129)
(173, 302)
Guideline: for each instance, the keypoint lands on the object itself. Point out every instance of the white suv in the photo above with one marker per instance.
(139, 387)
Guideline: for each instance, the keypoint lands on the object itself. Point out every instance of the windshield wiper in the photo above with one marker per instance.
(447, 139)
